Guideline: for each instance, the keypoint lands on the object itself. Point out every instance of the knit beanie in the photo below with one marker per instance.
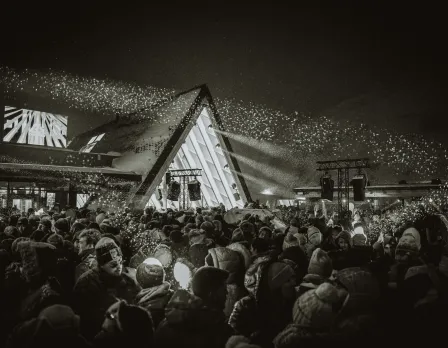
(150, 275)
(320, 264)
(318, 308)
(359, 239)
(278, 274)
(107, 250)
(314, 235)
(237, 236)
(207, 280)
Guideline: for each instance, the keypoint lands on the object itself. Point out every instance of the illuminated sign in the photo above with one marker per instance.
(92, 142)
(23, 126)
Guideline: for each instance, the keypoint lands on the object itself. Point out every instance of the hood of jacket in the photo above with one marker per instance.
(155, 297)
(228, 260)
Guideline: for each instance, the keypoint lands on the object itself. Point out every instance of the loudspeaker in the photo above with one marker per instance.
(168, 178)
(359, 188)
(174, 191)
(194, 190)
(159, 194)
(327, 185)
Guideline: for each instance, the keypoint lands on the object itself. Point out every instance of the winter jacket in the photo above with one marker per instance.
(95, 292)
(155, 300)
(254, 316)
(88, 262)
(232, 262)
(244, 252)
(190, 323)
(310, 282)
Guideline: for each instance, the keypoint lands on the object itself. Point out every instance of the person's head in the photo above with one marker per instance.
(109, 257)
(210, 284)
(88, 239)
(132, 323)
(320, 264)
(45, 225)
(169, 214)
(150, 273)
(13, 219)
(335, 230)
(61, 226)
(343, 240)
(259, 246)
(408, 246)
(22, 224)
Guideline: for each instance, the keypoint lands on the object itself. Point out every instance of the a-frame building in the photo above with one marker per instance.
(181, 132)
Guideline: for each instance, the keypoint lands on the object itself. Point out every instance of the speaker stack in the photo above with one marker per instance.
(194, 190)
(359, 188)
(174, 191)
(327, 185)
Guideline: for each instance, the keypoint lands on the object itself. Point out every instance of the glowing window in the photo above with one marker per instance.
(92, 142)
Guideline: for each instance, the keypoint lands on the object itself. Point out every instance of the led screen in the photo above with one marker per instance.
(23, 126)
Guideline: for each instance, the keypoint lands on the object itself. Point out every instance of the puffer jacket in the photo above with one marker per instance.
(88, 261)
(232, 262)
(243, 251)
(310, 282)
(190, 323)
(155, 300)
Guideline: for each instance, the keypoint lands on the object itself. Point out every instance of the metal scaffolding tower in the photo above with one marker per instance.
(343, 167)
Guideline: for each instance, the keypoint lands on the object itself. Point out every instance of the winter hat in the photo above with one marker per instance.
(107, 250)
(62, 225)
(56, 240)
(319, 308)
(164, 255)
(46, 223)
(292, 240)
(150, 275)
(359, 239)
(196, 237)
(198, 253)
(6, 244)
(409, 243)
(237, 236)
(345, 236)
(218, 225)
(278, 274)
(314, 235)
(320, 264)
(411, 235)
(136, 323)
(362, 286)
(23, 221)
(207, 280)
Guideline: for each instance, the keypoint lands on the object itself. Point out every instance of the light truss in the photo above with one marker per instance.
(179, 173)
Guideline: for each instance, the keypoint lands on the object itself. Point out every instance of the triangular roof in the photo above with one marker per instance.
(150, 139)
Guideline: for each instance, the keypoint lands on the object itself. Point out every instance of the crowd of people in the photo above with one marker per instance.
(83, 278)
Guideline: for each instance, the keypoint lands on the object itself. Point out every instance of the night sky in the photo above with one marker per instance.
(375, 63)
